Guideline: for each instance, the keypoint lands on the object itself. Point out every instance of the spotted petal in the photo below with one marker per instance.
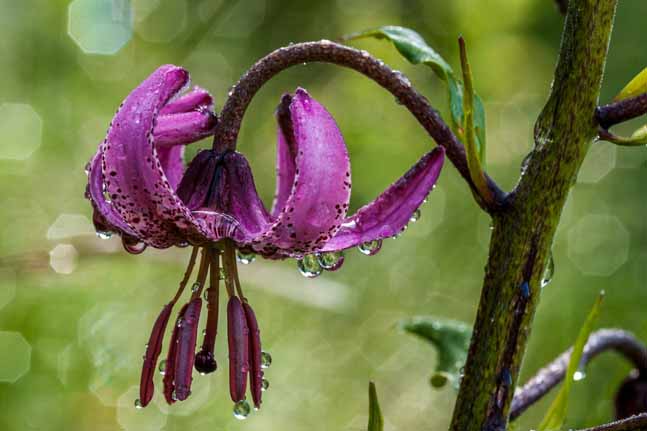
(140, 178)
(390, 212)
(313, 186)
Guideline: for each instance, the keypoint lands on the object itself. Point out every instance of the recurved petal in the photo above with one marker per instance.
(196, 99)
(390, 212)
(318, 197)
(135, 177)
(183, 128)
(105, 217)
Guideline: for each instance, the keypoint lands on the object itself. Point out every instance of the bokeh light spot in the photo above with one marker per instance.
(21, 129)
(598, 244)
(62, 258)
(16, 356)
(100, 26)
(599, 161)
(70, 225)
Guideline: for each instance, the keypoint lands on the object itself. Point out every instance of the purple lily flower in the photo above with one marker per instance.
(139, 189)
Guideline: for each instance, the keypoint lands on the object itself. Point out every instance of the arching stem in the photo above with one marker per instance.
(360, 61)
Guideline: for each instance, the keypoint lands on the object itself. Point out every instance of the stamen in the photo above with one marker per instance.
(154, 346)
(238, 334)
(205, 260)
(205, 361)
(231, 270)
(256, 373)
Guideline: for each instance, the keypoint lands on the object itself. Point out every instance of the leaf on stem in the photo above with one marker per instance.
(450, 338)
(554, 418)
(638, 138)
(375, 419)
(469, 127)
(414, 48)
(636, 87)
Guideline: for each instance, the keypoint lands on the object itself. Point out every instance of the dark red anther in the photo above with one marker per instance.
(185, 351)
(205, 360)
(238, 334)
(256, 374)
(153, 349)
(169, 369)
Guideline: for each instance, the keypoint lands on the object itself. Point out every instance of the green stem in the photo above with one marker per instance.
(524, 230)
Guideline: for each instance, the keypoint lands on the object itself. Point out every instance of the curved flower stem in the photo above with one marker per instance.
(634, 423)
(360, 61)
(600, 341)
(621, 111)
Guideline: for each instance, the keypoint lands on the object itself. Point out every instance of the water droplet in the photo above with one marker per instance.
(309, 266)
(182, 244)
(266, 360)
(548, 271)
(415, 216)
(265, 385)
(241, 410)
(196, 286)
(222, 273)
(87, 168)
(104, 234)
(331, 260)
(138, 404)
(371, 247)
(180, 323)
(579, 375)
(245, 258)
(205, 295)
(399, 234)
(162, 367)
(506, 377)
(525, 290)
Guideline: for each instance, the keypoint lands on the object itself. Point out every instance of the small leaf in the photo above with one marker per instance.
(636, 87)
(554, 418)
(375, 420)
(450, 338)
(638, 138)
(474, 154)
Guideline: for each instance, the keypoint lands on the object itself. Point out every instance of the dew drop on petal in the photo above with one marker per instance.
(138, 404)
(331, 260)
(245, 258)
(548, 271)
(241, 410)
(162, 367)
(266, 360)
(265, 385)
(104, 234)
(415, 216)
(309, 266)
(371, 247)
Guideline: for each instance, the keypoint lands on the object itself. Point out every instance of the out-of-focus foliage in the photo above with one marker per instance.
(556, 414)
(84, 308)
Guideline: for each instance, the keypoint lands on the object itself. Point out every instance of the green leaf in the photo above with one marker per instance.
(413, 47)
(375, 420)
(556, 414)
(636, 87)
(451, 340)
(638, 138)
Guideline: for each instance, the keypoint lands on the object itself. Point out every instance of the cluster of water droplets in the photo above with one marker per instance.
(242, 408)
(313, 265)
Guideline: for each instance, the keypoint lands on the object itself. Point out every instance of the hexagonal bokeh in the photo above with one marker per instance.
(21, 129)
(70, 225)
(598, 244)
(100, 26)
(599, 161)
(131, 418)
(7, 286)
(16, 356)
(62, 258)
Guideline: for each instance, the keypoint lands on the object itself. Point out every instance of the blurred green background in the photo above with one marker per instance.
(76, 311)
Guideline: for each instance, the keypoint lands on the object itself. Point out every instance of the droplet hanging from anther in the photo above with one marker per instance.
(162, 367)
(241, 410)
(138, 404)
(266, 360)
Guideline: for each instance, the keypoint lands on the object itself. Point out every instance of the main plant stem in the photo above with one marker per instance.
(523, 232)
